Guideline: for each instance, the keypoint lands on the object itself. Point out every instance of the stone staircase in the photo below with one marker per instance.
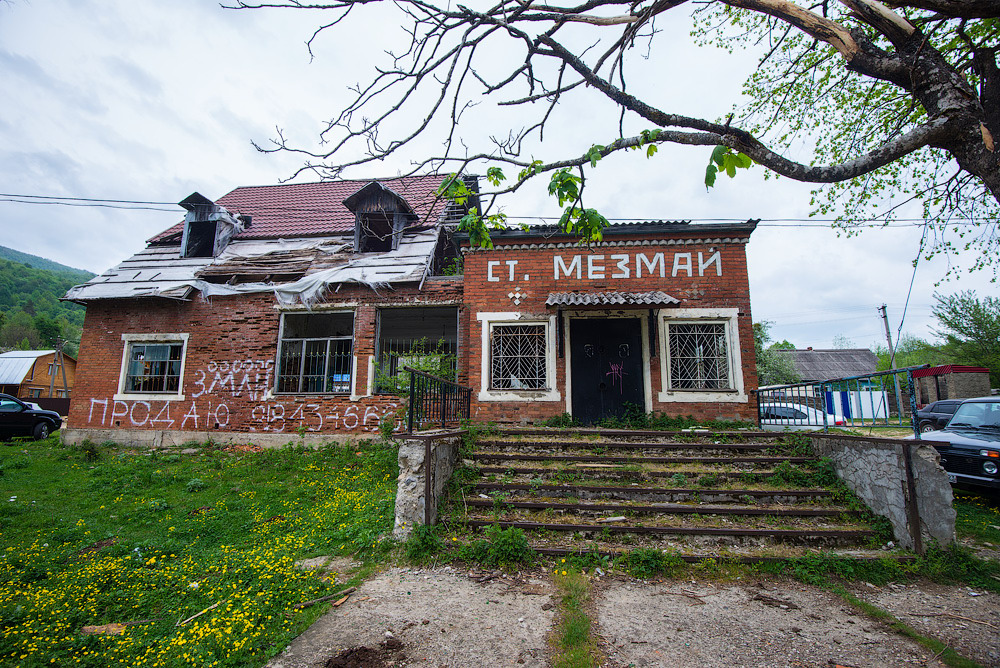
(741, 495)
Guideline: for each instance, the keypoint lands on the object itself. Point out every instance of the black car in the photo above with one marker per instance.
(936, 415)
(18, 418)
(970, 444)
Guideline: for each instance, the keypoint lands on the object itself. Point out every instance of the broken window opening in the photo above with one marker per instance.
(447, 256)
(201, 239)
(375, 233)
(420, 338)
(315, 353)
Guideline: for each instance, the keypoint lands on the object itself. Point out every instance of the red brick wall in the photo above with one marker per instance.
(231, 363)
(730, 290)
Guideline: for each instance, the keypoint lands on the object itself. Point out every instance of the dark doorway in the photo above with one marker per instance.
(607, 368)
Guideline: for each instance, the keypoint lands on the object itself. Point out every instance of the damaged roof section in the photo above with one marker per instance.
(295, 210)
(282, 250)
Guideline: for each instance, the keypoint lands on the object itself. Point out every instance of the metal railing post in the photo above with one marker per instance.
(409, 416)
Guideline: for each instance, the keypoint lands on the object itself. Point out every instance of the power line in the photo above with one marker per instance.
(147, 205)
(90, 205)
(87, 199)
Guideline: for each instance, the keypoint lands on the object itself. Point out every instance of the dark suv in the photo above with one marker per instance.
(936, 415)
(18, 418)
(970, 444)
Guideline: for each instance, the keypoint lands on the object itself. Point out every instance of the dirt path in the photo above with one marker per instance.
(432, 618)
(454, 618)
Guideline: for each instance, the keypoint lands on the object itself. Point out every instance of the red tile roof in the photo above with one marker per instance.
(316, 209)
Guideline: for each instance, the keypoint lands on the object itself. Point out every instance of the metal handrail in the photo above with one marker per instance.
(447, 400)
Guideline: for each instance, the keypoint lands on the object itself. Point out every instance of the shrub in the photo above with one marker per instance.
(195, 485)
(423, 543)
(646, 562)
(501, 547)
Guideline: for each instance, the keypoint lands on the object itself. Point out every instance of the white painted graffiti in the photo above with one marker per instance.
(234, 378)
(280, 417)
(216, 384)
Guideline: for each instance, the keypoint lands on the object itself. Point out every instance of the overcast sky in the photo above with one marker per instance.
(152, 100)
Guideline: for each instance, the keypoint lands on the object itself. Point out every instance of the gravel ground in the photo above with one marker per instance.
(966, 619)
(442, 617)
(457, 618)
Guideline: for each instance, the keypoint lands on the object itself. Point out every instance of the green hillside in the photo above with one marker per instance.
(31, 315)
(79, 275)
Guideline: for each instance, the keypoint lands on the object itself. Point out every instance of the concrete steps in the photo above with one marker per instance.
(701, 494)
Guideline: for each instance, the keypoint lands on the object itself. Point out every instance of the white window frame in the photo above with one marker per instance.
(681, 316)
(162, 338)
(488, 321)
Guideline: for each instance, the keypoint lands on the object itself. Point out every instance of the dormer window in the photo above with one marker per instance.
(208, 227)
(380, 217)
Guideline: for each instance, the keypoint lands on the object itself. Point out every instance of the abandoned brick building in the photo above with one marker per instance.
(292, 309)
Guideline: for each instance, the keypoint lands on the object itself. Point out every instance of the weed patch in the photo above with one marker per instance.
(574, 645)
(125, 539)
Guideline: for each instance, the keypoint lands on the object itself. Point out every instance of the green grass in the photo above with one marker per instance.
(106, 535)
(574, 645)
(978, 517)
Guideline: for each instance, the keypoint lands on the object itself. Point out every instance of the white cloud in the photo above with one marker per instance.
(151, 101)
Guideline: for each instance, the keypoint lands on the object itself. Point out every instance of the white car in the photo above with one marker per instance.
(795, 417)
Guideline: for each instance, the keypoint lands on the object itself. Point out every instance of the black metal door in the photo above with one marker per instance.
(607, 368)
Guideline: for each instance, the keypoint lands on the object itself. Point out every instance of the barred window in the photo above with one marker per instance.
(517, 354)
(154, 368)
(315, 353)
(699, 356)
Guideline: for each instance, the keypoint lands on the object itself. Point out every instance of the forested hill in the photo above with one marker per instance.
(31, 315)
(79, 275)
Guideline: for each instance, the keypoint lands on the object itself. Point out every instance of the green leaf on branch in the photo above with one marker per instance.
(594, 154)
(725, 159)
(565, 185)
(495, 175)
(588, 224)
(453, 188)
(535, 167)
(710, 173)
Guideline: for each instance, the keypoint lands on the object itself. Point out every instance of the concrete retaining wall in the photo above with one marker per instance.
(411, 496)
(875, 470)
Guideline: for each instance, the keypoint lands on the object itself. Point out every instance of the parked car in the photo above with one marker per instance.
(20, 418)
(936, 415)
(796, 417)
(970, 443)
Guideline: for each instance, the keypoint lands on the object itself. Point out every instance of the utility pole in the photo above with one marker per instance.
(892, 360)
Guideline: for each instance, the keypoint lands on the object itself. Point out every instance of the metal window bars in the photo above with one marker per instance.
(517, 354)
(699, 359)
(154, 367)
(315, 365)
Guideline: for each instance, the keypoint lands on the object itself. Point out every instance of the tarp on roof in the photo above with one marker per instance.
(16, 364)
(652, 298)
(815, 365)
(159, 271)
